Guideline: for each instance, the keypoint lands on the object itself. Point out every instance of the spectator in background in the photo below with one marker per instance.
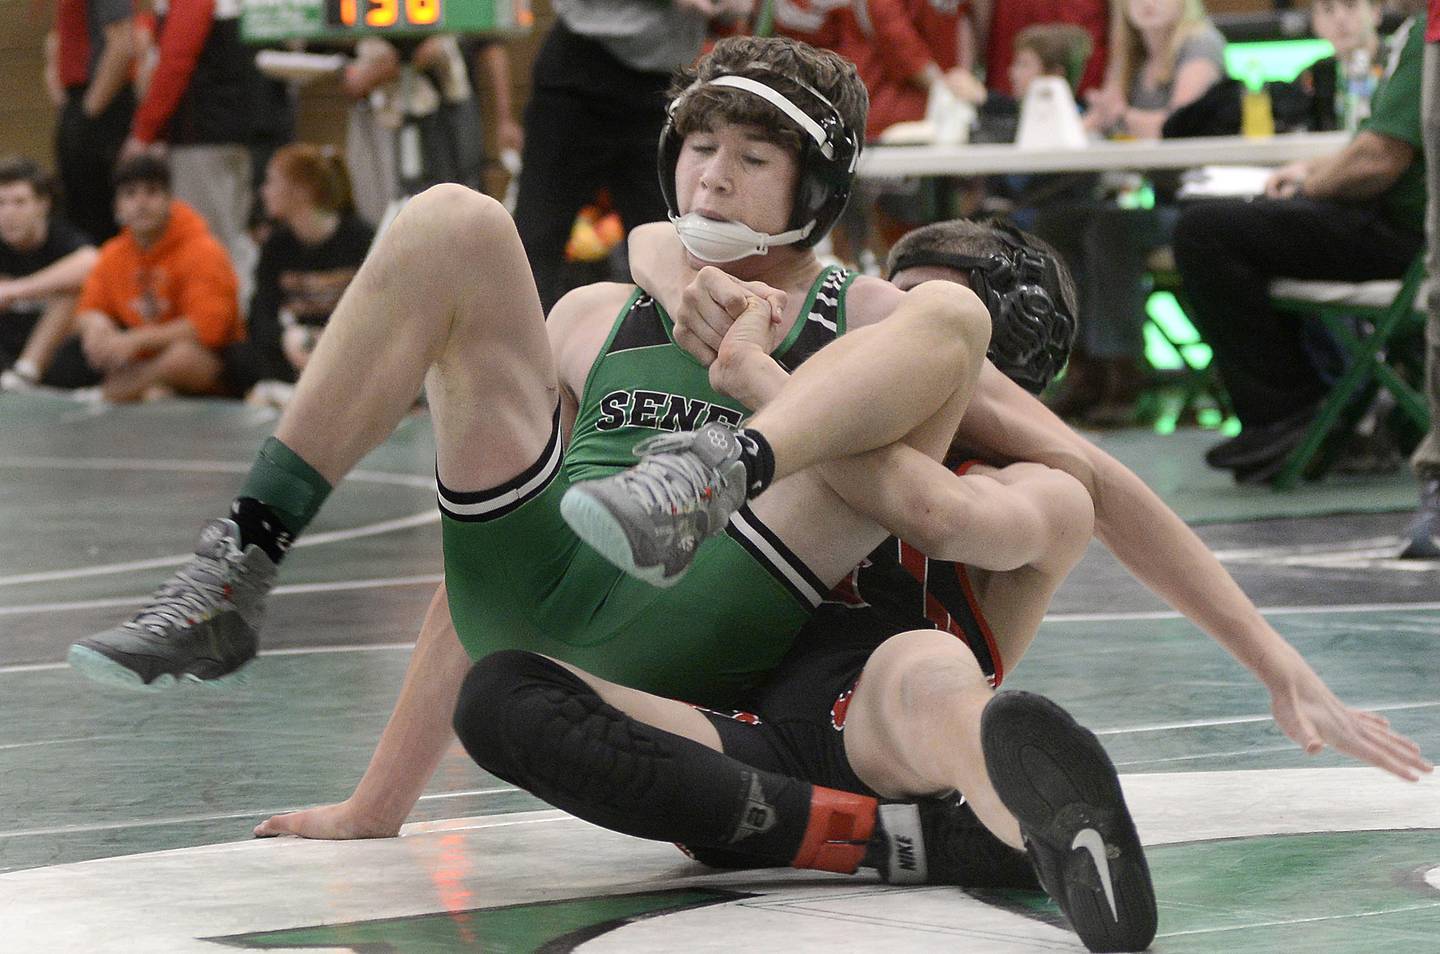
(999, 22)
(414, 123)
(1424, 534)
(89, 63)
(816, 22)
(597, 105)
(902, 48)
(1043, 49)
(159, 303)
(43, 263)
(314, 249)
(202, 103)
(1049, 49)
(1350, 26)
(1355, 215)
(1165, 54)
(490, 60)
(370, 148)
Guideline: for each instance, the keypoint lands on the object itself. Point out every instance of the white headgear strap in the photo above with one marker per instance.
(754, 87)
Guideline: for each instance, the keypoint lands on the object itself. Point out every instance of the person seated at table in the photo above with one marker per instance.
(314, 249)
(1164, 54)
(1352, 28)
(1354, 215)
(1049, 49)
(1043, 49)
(999, 23)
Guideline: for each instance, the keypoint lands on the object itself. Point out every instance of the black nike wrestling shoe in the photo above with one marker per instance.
(1062, 788)
(940, 841)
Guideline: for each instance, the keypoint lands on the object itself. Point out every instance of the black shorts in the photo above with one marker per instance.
(795, 724)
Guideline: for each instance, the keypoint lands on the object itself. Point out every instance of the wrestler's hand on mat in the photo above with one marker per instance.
(710, 305)
(338, 822)
(1312, 716)
(743, 368)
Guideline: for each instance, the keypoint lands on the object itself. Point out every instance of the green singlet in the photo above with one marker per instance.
(518, 578)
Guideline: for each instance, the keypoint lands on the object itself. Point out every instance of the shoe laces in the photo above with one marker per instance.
(670, 483)
(189, 596)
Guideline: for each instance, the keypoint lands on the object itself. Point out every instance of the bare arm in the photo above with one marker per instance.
(155, 337)
(982, 12)
(1367, 166)
(704, 303)
(496, 60)
(108, 346)
(376, 63)
(113, 70)
(64, 275)
(411, 747)
(51, 74)
(1191, 82)
(1157, 547)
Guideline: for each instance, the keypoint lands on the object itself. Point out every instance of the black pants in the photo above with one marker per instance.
(247, 363)
(85, 152)
(15, 330)
(1227, 253)
(69, 368)
(580, 137)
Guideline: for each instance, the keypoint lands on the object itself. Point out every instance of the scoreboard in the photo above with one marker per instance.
(272, 21)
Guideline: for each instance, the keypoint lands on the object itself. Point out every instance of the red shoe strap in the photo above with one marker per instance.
(840, 827)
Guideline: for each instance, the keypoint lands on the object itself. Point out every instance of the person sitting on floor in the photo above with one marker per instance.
(307, 262)
(159, 304)
(43, 263)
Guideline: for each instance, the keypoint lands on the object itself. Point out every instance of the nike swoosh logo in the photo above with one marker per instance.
(1090, 840)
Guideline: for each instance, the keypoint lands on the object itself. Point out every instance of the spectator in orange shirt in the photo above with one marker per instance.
(160, 302)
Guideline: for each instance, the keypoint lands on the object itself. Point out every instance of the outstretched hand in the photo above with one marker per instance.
(338, 822)
(1312, 716)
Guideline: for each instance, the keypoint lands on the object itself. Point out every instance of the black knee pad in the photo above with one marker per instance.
(535, 724)
(532, 722)
(483, 712)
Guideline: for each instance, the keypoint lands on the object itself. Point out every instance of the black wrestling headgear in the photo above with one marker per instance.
(1032, 331)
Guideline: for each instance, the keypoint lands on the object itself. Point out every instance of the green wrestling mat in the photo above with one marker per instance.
(1173, 464)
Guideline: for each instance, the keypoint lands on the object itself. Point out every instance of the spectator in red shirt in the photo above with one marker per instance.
(904, 47)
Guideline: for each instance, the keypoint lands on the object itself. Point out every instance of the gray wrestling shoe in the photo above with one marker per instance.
(1061, 787)
(939, 840)
(203, 624)
(650, 519)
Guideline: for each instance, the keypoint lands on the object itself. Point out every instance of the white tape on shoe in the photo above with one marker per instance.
(905, 844)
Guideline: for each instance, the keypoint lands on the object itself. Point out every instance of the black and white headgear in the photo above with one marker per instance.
(829, 152)
(1032, 329)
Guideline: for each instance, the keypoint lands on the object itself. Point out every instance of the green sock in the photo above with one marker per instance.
(291, 488)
